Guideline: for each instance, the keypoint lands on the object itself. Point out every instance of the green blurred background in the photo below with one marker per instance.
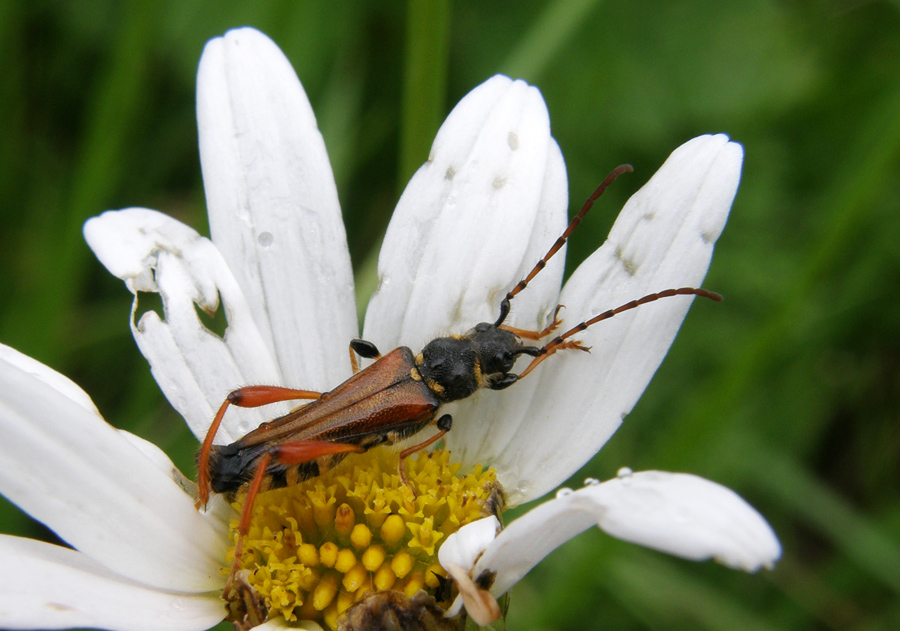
(788, 392)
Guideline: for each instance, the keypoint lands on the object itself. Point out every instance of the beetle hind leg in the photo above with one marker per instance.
(249, 397)
(443, 424)
(291, 453)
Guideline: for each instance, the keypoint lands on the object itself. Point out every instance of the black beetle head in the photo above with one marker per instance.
(449, 367)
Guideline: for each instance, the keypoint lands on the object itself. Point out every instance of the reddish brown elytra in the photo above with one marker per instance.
(397, 396)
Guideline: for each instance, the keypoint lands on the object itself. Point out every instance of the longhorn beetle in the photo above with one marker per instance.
(397, 396)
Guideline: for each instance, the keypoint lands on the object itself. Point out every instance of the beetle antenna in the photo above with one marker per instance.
(559, 342)
(504, 304)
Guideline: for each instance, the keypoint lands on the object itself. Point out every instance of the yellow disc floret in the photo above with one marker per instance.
(315, 548)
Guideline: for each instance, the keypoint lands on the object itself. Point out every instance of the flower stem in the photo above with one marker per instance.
(425, 81)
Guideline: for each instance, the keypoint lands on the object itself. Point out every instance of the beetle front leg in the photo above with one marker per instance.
(249, 397)
(537, 335)
(444, 424)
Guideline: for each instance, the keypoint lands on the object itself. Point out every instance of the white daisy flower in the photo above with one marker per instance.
(472, 222)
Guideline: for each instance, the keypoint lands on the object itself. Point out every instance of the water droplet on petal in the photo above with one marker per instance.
(624, 472)
(563, 492)
(243, 427)
(265, 239)
(591, 481)
(513, 140)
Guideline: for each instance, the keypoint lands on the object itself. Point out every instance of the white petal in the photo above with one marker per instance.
(50, 587)
(218, 511)
(663, 238)
(461, 551)
(684, 515)
(55, 380)
(472, 222)
(273, 206)
(194, 367)
(528, 539)
(677, 513)
(153, 453)
(491, 418)
(466, 545)
(67, 468)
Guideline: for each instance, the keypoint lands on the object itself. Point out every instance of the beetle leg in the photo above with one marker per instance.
(300, 451)
(554, 346)
(246, 513)
(291, 453)
(536, 335)
(443, 424)
(249, 397)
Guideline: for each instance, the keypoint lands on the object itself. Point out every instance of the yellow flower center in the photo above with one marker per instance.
(315, 548)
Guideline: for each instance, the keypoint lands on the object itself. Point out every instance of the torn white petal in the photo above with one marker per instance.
(126, 242)
(273, 206)
(194, 367)
(217, 365)
(681, 514)
(177, 380)
(662, 239)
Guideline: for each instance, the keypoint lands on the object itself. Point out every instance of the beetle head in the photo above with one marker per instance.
(449, 365)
